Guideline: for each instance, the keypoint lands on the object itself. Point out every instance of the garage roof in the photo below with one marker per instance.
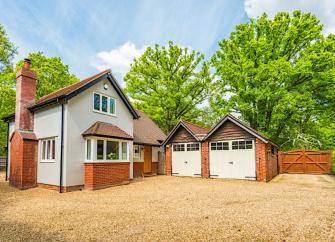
(229, 117)
(195, 130)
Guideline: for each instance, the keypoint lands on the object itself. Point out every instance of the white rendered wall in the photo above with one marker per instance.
(80, 116)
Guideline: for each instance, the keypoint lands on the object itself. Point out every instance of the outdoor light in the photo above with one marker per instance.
(105, 86)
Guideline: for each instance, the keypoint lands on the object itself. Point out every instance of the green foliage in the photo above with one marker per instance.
(7, 50)
(279, 74)
(52, 74)
(168, 83)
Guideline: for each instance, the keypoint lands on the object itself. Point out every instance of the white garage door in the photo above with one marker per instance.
(233, 159)
(186, 159)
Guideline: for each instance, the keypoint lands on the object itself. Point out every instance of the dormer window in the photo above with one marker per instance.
(103, 104)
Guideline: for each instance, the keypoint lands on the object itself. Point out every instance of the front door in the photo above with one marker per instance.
(147, 159)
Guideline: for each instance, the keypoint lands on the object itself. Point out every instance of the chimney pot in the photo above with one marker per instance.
(27, 63)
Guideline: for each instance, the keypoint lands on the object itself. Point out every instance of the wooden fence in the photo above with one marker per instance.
(2, 163)
(305, 161)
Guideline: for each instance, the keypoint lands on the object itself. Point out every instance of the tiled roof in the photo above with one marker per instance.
(102, 129)
(196, 129)
(146, 131)
(69, 89)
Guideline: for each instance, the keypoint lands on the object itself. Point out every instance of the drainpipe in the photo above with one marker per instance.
(61, 151)
(7, 153)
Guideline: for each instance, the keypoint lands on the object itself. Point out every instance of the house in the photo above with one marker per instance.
(231, 149)
(82, 136)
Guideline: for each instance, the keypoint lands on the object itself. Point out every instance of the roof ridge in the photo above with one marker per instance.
(76, 83)
(193, 124)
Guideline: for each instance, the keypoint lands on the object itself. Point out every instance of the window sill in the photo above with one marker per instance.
(47, 161)
(108, 114)
(106, 161)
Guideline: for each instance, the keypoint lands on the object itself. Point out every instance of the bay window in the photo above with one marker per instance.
(104, 149)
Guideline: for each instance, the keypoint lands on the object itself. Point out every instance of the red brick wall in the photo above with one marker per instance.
(154, 167)
(101, 175)
(168, 160)
(204, 160)
(260, 160)
(23, 158)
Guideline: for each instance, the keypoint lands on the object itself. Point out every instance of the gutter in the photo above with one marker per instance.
(61, 151)
(7, 153)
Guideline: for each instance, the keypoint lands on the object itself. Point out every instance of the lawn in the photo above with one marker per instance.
(291, 208)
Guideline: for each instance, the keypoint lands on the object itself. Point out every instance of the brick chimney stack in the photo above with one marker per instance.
(23, 142)
(25, 95)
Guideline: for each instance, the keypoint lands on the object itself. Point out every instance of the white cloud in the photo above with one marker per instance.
(323, 9)
(118, 59)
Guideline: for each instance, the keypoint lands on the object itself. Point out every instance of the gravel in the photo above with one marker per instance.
(175, 209)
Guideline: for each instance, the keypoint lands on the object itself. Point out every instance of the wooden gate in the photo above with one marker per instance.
(305, 161)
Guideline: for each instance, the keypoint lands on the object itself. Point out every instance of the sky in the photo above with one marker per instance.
(91, 36)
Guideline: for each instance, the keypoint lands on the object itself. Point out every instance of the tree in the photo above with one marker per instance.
(278, 73)
(52, 75)
(168, 83)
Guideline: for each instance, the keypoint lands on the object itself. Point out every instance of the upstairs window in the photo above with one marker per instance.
(103, 104)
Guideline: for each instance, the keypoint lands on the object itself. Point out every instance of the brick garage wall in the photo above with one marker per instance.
(260, 160)
(23, 158)
(271, 161)
(204, 159)
(102, 174)
(168, 159)
(154, 167)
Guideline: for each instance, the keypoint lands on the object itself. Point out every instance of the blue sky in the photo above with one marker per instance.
(93, 35)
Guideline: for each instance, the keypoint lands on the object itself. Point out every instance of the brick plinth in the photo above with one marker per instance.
(139, 166)
(23, 158)
(168, 160)
(260, 160)
(204, 160)
(64, 189)
(100, 175)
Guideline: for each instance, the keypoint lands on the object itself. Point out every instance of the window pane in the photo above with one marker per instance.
(241, 145)
(100, 149)
(124, 151)
(48, 149)
(43, 149)
(213, 146)
(112, 106)
(88, 150)
(104, 104)
(112, 150)
(234, 145)
(225, 146)
(96, 101)
(53, 149)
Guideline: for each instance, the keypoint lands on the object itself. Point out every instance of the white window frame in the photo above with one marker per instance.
(245, 144)
(94, 150)
(216, 146)
(108, 104)
(137, 155)
(189, 149)
(91, 158)
(178, 145)
(42, 148)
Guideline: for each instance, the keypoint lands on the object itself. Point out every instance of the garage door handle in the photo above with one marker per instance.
(185, 162)
(231, 162)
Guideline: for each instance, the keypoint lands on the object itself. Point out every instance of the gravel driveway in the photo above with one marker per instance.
(175, 209)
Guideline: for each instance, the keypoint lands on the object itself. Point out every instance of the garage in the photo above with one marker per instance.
(184, 144)
(231, 149)
(186, 159)
(233, 159)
